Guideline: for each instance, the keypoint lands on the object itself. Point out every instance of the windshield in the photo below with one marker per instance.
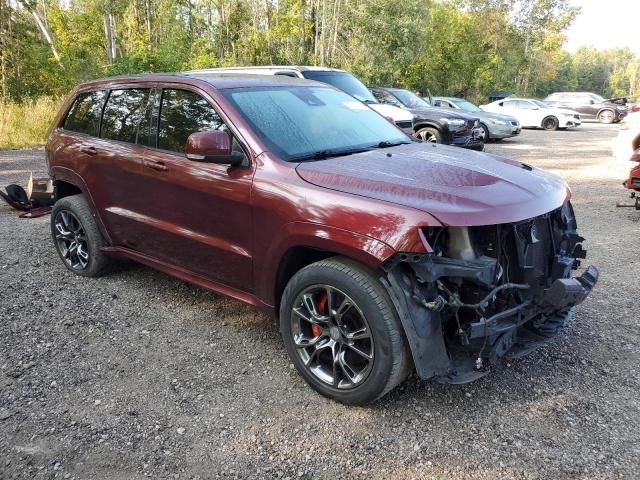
(298, 123)
(466, 106)
(344, 81)
(410, 100)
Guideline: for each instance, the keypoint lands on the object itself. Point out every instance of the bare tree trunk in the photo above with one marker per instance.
(110, 35)
(43, 29)
(147, 14)
(336, 14)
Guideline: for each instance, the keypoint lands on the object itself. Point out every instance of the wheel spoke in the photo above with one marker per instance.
(359, 334)
(317, 350)
(347, 370)
(357, 350)
(310, 304)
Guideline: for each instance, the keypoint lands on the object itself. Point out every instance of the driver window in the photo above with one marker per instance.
(182, 113)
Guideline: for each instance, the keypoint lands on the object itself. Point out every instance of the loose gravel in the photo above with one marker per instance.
(137, 374)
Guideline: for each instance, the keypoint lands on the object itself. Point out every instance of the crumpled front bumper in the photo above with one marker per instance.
(421, 287)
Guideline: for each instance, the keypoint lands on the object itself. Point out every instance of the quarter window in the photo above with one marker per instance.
(126, 116)
(181, 114)
(84, 115)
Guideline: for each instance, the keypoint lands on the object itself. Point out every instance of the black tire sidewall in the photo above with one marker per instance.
(377, 380)
(77, 205)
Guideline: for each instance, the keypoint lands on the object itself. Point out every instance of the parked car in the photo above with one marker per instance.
(590, 105)
(433, 124)
(338, 78)
(496, 126)
(378, 254)
(534, 113)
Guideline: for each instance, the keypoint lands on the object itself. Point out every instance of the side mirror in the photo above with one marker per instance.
(592, 101)
(212, 146)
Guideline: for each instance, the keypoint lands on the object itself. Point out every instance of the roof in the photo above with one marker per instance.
(299, 68)
(217, 80)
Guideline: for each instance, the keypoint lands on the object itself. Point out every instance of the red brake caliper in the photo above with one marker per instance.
(322, 307)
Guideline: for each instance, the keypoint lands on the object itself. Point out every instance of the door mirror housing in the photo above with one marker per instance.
(592, 101)
(212, 146)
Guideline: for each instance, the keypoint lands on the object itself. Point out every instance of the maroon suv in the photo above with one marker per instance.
(379, 254)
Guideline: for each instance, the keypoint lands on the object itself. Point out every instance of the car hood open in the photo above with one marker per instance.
(458, 187)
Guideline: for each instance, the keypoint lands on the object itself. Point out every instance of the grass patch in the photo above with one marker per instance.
(24, 125)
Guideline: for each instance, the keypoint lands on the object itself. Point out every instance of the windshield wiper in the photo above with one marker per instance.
(386, 144)
(324, 154)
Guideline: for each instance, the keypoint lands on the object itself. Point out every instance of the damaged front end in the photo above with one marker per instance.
(488, 292)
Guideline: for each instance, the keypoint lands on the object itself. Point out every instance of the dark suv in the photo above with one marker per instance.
(433, 124)
(589, 105)
(378, 254)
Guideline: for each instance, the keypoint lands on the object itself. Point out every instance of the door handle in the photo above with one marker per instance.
(89, 150)
(157, 166)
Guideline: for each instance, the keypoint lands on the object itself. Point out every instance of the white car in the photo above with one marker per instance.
(345, 81)
(534, 113)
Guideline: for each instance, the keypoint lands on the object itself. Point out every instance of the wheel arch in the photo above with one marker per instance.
(427, 124)
(66, 182)
(305, 243)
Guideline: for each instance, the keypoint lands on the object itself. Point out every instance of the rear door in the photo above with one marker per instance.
(198, 215)
(117, 161)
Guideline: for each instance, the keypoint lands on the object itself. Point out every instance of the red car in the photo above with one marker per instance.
(379, 254)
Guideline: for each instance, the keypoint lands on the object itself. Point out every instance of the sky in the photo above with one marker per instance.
(605, 24)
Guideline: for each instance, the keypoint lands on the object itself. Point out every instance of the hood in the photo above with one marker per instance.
(433, 112)
(459, 187)
(395, 113)
(494, 116)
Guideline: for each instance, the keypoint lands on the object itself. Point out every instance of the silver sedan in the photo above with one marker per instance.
(496, 126)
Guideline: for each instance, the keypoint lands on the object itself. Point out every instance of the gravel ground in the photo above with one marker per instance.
(139, 375)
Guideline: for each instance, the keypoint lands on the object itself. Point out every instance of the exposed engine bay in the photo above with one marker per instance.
(488, 292)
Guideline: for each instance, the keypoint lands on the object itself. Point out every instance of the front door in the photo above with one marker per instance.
(198, 214)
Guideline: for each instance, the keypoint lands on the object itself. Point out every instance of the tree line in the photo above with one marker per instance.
(451, 47)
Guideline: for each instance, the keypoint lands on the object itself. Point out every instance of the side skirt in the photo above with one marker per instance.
(190, 277)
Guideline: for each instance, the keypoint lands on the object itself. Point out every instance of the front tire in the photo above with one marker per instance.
(550, 123)
(77, 237)
(606, 116)
(342, 331)
(487, 136)
(429, 134)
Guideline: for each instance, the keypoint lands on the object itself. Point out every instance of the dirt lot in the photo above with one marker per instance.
(137, 374)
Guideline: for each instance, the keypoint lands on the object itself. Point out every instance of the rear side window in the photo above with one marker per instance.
(181, 114)
(126, 116)
(84, 115)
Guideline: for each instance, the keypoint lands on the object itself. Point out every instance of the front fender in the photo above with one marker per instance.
(362, 248)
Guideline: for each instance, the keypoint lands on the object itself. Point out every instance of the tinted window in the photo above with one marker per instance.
(84, 115)
(181, 114)
(344, 81)
(125, 116)
(410, 100)
(385, 97)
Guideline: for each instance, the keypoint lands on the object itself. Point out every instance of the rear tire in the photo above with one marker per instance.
(317, 341)
(550, 123)
(429, 134)
(77, 237)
